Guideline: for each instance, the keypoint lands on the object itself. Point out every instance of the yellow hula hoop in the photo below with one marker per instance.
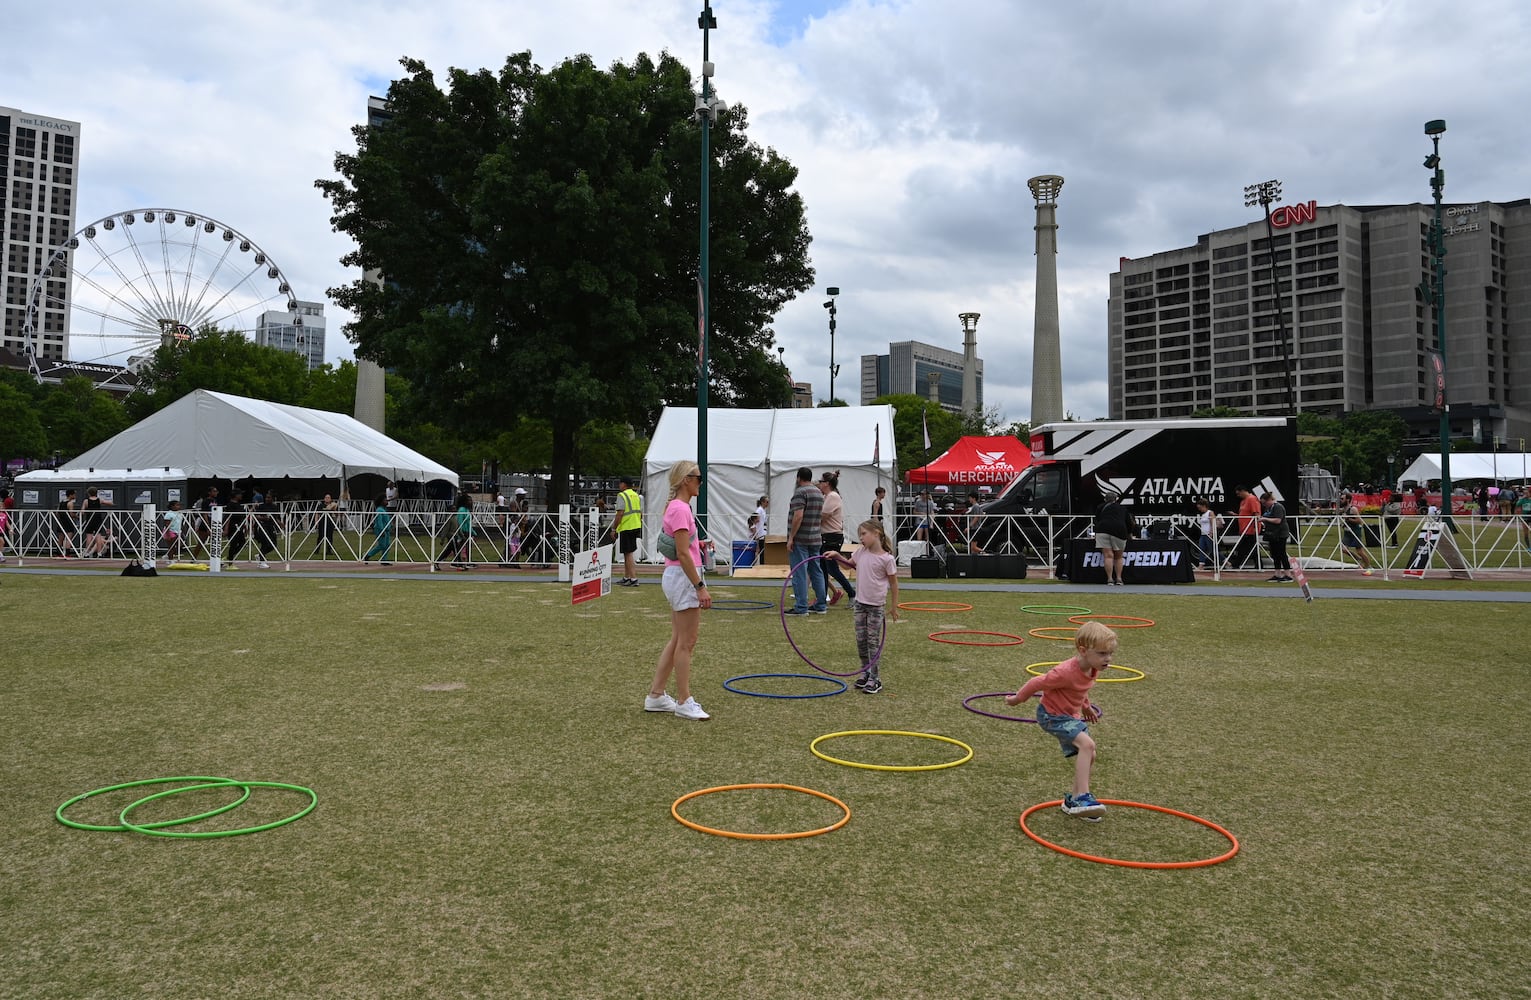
(1041, 632)
(1137, 674)
(814, 746)
(675, 811)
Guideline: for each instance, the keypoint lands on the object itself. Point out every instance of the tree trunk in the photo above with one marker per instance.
(563, 461)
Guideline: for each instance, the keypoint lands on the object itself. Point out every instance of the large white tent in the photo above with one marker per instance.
(754, 453)
(214, 435)
(1468, 466)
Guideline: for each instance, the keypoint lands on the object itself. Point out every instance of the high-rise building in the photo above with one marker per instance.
(1198, 327)
(300, 330)
(907, 368)
(39, 166)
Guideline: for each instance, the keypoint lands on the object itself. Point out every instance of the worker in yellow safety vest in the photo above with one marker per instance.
(629, 520)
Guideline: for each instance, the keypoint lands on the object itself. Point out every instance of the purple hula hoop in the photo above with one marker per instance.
(798, 650)
(967, 704)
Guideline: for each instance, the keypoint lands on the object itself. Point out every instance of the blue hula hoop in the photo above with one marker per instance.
(728, 685)
(877, 656)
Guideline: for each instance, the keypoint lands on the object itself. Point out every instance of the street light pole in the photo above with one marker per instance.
(1433, 129)
(1263, 194)
(834, 369)
(706, 112)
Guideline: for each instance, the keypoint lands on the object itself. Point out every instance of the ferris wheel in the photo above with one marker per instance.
(147, 277)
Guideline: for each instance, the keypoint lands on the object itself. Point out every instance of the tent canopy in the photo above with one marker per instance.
(755, 453)
(1465, 466)
(213, 435)
(975, 461)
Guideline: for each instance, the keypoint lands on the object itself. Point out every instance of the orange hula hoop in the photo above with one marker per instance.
(675, 811)
(1122, 863)
(1107, 619)
(1040, 632)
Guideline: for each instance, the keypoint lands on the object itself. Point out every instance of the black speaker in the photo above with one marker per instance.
(138, 569)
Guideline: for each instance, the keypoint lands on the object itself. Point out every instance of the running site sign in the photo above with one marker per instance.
(592, 574)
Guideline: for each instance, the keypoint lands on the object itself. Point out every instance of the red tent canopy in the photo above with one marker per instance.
(975, 461)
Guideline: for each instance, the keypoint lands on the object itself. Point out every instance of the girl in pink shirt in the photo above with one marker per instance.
(1066, 708)
(876, 577)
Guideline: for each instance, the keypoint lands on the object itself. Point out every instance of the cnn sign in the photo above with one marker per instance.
(1283, 216)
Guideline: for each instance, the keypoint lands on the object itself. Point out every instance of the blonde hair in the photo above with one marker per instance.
(1094, 635)
(678, 473)
(875, 525)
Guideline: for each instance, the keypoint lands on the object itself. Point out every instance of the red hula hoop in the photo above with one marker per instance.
(936, 637)
(1158, 865)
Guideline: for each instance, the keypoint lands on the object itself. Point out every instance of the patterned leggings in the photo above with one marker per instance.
(869, 627)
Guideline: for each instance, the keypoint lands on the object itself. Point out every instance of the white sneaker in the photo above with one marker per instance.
(265, 565)
(661, 703)
(689, 709)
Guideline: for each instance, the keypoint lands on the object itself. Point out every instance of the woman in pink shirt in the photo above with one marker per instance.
(1066, 709)
(686, 591)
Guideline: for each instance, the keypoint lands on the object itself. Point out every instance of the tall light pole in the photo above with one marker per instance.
(834, 369)
(1437, 297)
(707, 108)
(1263, 194)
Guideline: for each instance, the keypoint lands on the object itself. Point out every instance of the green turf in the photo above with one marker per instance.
(494, 821)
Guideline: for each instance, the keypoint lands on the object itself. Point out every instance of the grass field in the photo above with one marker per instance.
(493, 815)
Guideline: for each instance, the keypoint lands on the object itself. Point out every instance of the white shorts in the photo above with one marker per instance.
(679, 590)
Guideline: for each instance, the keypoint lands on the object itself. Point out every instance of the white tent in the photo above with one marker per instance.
(754, 453)
(1467, 466)
(213, 435)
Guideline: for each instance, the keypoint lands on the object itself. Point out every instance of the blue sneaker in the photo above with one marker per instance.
(1084, 806)
(795, 611)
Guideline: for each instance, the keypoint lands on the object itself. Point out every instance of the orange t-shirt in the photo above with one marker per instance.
(1249, 515)
(1065, 688)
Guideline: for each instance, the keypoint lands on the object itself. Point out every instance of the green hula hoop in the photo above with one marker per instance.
(154, 832)
(205, 782)
(814, 746)
(1055, 609)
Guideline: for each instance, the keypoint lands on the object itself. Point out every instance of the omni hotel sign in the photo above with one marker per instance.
(1461, 219)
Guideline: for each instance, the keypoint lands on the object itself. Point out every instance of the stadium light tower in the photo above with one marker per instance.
(1263, 194)
(1437, 297)
(834, 369)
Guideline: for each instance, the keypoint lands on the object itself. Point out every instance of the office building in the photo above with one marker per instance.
(908, 368)
(39, 160)
(1199, 327)
(300, 330)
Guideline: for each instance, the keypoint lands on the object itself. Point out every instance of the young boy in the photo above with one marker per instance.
(1066, 708)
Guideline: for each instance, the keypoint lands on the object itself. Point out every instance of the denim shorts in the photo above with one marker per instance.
(1064, 727)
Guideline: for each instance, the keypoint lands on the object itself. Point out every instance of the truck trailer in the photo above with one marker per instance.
(1157, 467)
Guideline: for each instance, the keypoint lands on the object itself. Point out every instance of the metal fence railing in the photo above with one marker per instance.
(426, 535)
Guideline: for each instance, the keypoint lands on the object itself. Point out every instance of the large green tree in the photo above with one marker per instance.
(538, 232)
(21, 431)
(223, 361)
(912, 415)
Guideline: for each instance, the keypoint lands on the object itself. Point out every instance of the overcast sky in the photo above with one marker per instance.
(914, 125)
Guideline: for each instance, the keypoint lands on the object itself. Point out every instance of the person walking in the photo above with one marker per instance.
(173, 533)
(64, 526)
(460, 546)
(762, 506)
(1353, 535)
(382, 527)
(95, 525)
(832, 534)
(804, 543)
(1207, 524)
(236, 525)
(877, 570)
(1274, 521)
(1249, 529)
(324, 528)
(685, 588)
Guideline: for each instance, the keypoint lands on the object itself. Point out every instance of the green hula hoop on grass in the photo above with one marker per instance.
(207, 835)
(814, 746)
(1055, 609)
(204, 781)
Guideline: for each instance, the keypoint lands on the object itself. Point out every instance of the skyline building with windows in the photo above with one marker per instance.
(39, 185)
(1198, 327)
(908, 368)
(300, 330)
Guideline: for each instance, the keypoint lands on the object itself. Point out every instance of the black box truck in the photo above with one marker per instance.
(1157, 467)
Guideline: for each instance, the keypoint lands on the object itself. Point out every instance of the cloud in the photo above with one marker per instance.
(914, 125)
